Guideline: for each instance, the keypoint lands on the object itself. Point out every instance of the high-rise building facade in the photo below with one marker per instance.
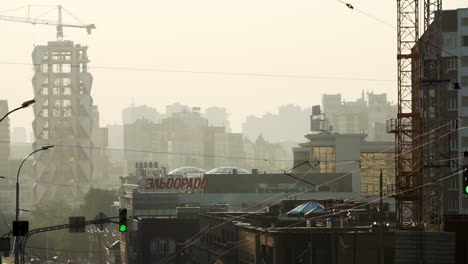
(218, 117)
(63, 117)
(132, 113)
(4, 139)
(443, 112)
(288, 124)
(360, 116)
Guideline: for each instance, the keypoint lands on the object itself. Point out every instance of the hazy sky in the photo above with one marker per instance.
(299, 37)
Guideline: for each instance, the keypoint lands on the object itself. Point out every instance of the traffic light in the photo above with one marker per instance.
(465, 181)
(122, 219)
(20, 228)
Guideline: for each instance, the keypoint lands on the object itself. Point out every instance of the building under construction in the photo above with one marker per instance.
(443, 77)
(63, 117)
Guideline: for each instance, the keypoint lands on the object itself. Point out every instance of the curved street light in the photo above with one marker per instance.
(17, 175)
(23, 105)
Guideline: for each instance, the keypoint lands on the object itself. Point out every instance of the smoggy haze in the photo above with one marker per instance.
(267, 37)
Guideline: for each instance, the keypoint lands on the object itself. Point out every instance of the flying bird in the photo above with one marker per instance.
(350, 6)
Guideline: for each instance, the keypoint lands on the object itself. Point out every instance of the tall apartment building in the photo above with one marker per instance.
(184, 138)
(100, 157)
(5, 186)
(115, 140)
(4, 139)
(132, 113)
(360, 116)
(9, 166)
(187, 133)
(218, 117)
(19, 146)
(63, 117)
(228, 149)
(445, 109)
(288, 124)
(144, 141)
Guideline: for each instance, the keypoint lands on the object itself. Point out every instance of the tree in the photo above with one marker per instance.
(98, 200)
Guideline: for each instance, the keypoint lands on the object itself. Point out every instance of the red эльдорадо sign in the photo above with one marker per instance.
(176, 183)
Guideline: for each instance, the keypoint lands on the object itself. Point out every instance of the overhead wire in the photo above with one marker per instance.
(146, 151)
(189, 242)
(394, 27)
(262, 75)
(266, 75)
(73, 16)
(340, 1)
(10, 10)
(45, 13)
(347, 174)
(68, 250)
(369, 15)
(361, 205)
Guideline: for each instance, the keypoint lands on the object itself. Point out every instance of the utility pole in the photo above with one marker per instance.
(381, 244)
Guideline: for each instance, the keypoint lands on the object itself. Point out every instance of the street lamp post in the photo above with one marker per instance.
(17, 191)
(23, 105)
(18, 173)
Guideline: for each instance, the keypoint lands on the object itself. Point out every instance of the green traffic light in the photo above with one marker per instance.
(123, 228)
(466, 189)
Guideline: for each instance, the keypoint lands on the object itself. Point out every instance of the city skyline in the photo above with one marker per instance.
(208, 131)
(254, 57)
(172, 44)
(156, 114)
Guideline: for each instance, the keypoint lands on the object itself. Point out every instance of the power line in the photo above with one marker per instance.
(358, 206)
(247, 74)
(369, 15)
(307, 190)
(147, 151)
(70, 250)
(394, 27)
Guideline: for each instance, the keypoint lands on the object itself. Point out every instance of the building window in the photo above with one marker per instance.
(464, 121)
(453, 184)
(465, 41)
(450, 40)
(453, 104)
(452, 205)
(371, 164)
(464, 61)
(453, 125)
(465, 21)
(464, 101)
(454, 143)
(452, 64)
(465, 142)
(45, 112)
(453, 165)
(324, 157)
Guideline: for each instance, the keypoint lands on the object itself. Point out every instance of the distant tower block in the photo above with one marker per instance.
(62, 89)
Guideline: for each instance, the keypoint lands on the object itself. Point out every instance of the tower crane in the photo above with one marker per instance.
(59, 23)
(417, 63)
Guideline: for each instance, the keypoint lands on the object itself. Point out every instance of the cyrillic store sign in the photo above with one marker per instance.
(176, 183)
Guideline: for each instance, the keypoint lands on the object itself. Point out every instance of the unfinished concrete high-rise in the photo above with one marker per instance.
(63, 117)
